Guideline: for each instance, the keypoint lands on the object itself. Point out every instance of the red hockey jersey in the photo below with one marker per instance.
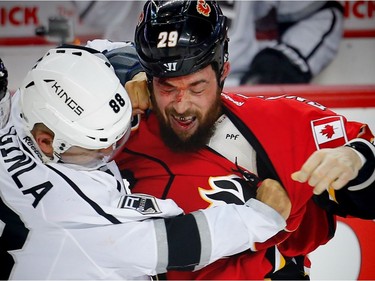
(284, 131)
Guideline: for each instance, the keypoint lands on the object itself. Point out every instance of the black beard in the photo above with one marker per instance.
(196, 141)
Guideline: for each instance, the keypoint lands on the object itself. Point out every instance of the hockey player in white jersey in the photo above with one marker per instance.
(66, 213)
(274, 42)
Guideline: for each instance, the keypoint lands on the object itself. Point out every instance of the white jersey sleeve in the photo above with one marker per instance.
(62, 223)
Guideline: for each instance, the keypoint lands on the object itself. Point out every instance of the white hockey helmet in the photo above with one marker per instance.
(77, 95)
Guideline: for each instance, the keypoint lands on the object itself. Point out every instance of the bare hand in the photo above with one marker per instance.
(138, 93)
(330, 167)
(271, 192)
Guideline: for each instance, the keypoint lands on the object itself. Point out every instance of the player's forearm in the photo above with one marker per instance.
(205, 236)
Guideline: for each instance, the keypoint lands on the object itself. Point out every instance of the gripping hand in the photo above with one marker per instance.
(329, 168)
(271, 192)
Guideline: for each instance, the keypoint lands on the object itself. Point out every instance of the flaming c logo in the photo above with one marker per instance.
(203, 8)
(224, 190)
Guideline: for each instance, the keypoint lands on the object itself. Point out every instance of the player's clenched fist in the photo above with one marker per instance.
(330, 167)
(138, 93)
(271, 192)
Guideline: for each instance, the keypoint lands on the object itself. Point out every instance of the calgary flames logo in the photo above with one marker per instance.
(203, 8)
(225, 190)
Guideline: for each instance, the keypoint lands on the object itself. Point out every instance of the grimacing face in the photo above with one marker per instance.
(187, 108)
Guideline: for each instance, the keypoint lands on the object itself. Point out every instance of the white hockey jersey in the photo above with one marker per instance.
(63, 223)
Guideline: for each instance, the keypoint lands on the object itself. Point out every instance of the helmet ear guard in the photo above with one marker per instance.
(177, 38)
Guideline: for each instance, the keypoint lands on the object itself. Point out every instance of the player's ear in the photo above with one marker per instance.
(225, 71)
(44, 141)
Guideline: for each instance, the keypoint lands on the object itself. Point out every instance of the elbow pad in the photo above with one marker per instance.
(125, 62)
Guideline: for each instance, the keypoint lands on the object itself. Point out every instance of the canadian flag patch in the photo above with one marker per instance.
(329, 132)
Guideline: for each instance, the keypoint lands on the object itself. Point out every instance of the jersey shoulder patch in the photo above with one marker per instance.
(142, 203)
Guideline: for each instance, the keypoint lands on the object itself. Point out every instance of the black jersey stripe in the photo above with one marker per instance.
(94, 205)
(108, 171)
(161, 163)
(184, 256)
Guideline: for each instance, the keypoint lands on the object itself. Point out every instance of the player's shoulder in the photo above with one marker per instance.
(261, 102)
